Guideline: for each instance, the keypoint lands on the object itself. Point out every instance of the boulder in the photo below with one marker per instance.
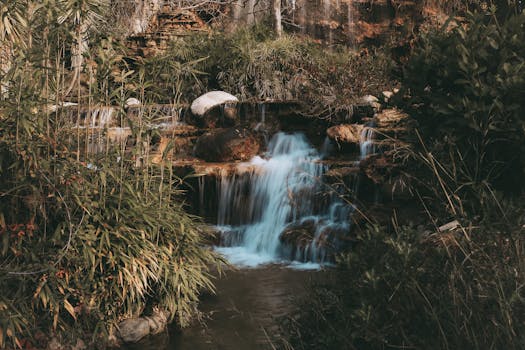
(371, 101)
(345, 133)
(204, 103)
(134, 329)
(378, 167)
(214, 109)
(226, 145)
(157, 322)
(132, 102)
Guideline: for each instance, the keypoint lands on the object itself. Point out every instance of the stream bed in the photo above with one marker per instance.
(243, 314)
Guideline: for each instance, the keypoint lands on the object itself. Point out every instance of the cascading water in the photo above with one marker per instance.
(281, 191)
(366, 142)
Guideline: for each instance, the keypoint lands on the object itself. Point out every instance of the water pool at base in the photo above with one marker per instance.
(243, 314)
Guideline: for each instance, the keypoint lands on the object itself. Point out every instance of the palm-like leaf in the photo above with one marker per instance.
(83, 12)
(12, 22)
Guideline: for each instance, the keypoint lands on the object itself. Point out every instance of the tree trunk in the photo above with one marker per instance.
(277, 17)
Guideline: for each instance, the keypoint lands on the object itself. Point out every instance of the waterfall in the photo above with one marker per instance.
(281, 191)
(262, 113)
(366, 142)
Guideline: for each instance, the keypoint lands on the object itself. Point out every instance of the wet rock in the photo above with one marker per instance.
(212, 235)
(299, 234)
(345, 133)
(378, 167)
(336, 174)
(226, 115)
(369, 99)
(363, 110)
(372, 102)
(225, 145)
(387, 95)
(133, 329)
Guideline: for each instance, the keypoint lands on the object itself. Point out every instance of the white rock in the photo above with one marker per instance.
(209, 100)
(132, 102)
(53, 108)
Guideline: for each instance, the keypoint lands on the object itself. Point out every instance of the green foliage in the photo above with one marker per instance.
(86, 240)
(86, 246)
(252, 64)
(405, 290)
(466, 91)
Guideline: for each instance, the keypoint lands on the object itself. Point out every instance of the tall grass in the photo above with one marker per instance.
(252, 64)
(86, 239)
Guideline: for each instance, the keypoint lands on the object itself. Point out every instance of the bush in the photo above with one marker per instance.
(87, 240)
(404, 290)
(465, 89)
(83, 247)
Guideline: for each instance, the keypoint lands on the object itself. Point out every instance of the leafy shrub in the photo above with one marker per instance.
(466, 87)
(86, 240)
(404, 290)
(82, 247)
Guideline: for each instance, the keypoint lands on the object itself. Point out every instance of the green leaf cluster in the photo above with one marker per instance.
(406, 290)
(465, 88)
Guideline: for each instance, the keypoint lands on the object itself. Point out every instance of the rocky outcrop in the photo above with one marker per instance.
(345, 133)
(329, 21)
(226, 145)
(154, 28)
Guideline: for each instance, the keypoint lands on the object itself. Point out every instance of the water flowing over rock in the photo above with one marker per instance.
(283, 190)
(225, 145)
(366, 141)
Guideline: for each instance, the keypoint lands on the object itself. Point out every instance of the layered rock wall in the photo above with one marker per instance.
(332, 22)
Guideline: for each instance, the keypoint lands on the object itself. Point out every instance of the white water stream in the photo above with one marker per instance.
(283, 190)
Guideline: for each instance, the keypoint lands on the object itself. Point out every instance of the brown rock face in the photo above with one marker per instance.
(226, 145)
(345, 133)
(299, 234)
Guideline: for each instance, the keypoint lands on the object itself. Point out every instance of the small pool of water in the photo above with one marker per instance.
(243, 314)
